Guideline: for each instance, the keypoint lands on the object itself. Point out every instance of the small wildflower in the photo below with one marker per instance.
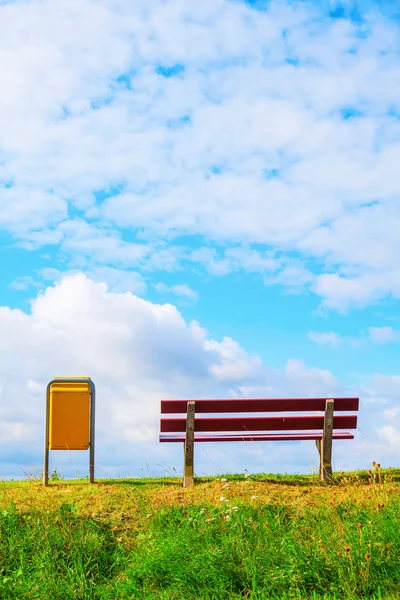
(226, 486)
(149, 515)
(227, 517)
(378, 466)
(235, 508)
(223, 499)
(203, 510)
(254, 498)
(224, 479)
(373, 463)
(210, 519)
(119, 540)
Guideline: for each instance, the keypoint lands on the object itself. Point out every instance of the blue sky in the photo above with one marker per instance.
(199, 200)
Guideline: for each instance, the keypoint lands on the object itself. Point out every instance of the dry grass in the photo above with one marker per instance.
(127, 496)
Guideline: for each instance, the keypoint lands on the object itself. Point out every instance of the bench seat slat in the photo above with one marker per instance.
(258, 405)
(255, 437)
(237, 424)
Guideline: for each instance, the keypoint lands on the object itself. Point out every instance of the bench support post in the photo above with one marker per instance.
(188, 468)
(325, 445)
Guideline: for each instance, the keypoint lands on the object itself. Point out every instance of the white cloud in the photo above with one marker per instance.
(235, 365)
(234, 259)
(137, 353)
(211, 261)
(374, 335)
(97, 245)
(23, 283)
(181, 289)
(294, 276)
(325, 338)
(389, 387)
(391, 435)
(383, 335)
(117, 280)
(317, 380)
(386, 386)
(242, 147)
(340, 292)
(392, 413)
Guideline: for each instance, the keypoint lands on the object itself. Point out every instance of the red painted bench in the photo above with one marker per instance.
(323, 428)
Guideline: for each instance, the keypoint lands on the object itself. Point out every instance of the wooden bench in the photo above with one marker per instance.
(323, 428)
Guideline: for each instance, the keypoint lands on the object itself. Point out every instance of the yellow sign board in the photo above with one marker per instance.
(69, 415)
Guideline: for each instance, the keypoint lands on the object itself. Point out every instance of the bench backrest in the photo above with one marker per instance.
(257, 422)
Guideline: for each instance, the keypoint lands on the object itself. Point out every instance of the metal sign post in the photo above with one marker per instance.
(70, 418)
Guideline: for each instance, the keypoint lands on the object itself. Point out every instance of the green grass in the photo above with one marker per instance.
(259, 537)
(54, 555)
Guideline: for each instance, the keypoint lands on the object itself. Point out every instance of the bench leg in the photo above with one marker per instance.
(188, 467)
(324, 446)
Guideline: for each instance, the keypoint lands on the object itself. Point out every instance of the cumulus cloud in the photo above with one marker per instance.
(137, 352)
(264, 132)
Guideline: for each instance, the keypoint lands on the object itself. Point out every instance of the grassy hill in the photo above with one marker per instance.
(235, 536)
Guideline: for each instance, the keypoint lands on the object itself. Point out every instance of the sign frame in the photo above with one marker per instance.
(91, 424)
